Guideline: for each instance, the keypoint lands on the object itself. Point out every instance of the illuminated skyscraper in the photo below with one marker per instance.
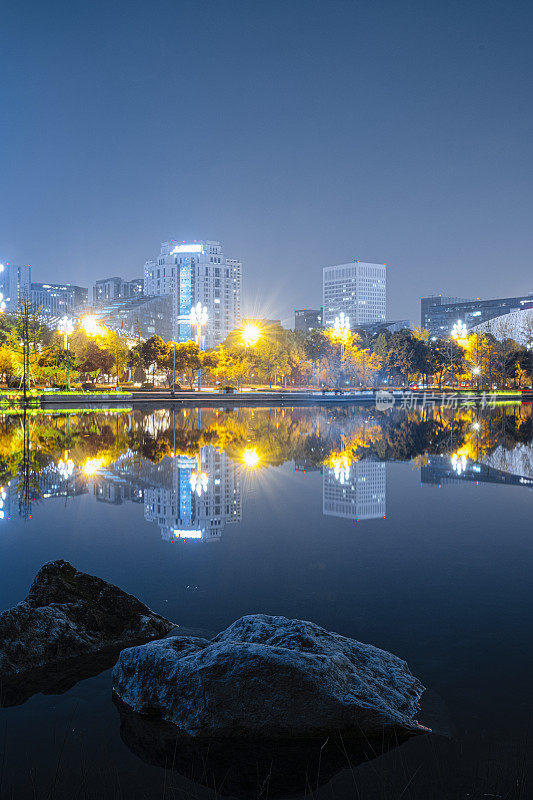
(197, 272)
(357, 289)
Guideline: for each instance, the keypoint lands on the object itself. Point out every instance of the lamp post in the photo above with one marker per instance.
(65, 328)
(199, 318)
(459, 331)
(250, 335)
(341, 331)
(94, 327)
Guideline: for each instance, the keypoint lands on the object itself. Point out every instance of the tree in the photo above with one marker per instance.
(7, 363)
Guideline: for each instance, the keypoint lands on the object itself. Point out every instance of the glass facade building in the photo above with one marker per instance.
(439, 314)
(197, 272)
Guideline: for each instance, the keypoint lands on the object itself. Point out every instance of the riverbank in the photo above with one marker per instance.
(381, 399)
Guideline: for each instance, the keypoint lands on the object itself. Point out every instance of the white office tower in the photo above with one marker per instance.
(358, 289)
(355, 492)
(197, 272)
(202, 498)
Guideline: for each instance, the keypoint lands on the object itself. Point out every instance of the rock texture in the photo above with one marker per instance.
(270, 677)
(68, 613)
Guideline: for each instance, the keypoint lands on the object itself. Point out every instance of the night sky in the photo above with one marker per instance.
(299, 133)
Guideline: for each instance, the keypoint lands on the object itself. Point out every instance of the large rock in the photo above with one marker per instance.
(69, 614)
(270, 677)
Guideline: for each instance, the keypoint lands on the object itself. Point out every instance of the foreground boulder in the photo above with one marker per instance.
(68, 614)
(270, 677)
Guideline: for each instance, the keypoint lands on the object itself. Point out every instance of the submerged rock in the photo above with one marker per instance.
(270, 677)
(68, 613)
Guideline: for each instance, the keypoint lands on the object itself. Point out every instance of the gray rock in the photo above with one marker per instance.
(68, 613)
(270, 677)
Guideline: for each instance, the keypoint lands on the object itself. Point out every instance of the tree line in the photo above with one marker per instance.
(280, 357)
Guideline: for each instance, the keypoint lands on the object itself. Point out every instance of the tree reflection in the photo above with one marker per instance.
(44, 454)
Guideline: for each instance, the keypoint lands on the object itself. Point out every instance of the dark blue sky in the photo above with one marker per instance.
(300, 133)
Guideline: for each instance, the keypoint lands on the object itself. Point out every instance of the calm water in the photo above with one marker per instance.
(412, 531)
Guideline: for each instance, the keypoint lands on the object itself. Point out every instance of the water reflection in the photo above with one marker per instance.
(187, 468)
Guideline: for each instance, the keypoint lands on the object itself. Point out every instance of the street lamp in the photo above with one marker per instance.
(341, 327)
(250, 457)
(199, 479)
(251, 333)
(459, 330)
(199, 317)
(91, 326)
(2, 303)
(65, 328)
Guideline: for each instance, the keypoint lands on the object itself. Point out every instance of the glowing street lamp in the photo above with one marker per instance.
(65, 328)
(66, 468)
(199, 479)
(199, 318)
(92, 466)
(250, 457)
(2, 303)
(251, 333)
(340, 463)
(459, 330)
(341, 327)
(91, 326)
(199, 482)
(459, 463)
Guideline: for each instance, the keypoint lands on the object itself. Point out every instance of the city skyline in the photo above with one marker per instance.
(378, 133)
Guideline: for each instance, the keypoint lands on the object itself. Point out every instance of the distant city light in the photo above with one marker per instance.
(188, 248)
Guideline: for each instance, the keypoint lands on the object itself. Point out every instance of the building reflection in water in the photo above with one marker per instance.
(355, 491)
(198, 497)
(187, 468)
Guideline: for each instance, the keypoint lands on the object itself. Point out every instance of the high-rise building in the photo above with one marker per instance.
(57, 299)
(358, 289)
(197, 272)
(439, 314)
(201, 497)
(356, 492)
(307, 319)
(109, 289)
(15, 284)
